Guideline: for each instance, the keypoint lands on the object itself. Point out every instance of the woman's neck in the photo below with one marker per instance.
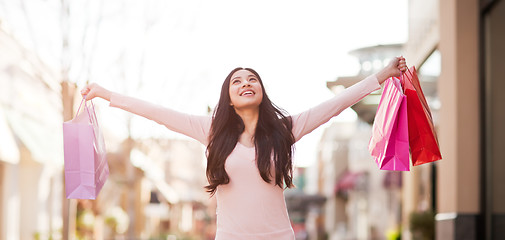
(250, 119)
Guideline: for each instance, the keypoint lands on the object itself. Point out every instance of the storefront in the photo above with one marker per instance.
(492, 85)
(469, 198)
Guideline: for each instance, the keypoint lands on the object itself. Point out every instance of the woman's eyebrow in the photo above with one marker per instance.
(239, 77)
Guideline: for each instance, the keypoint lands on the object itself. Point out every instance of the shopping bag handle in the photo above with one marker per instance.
(423, 102)
(402, 79)
(92, 117)
(80, 105)
(408, 70)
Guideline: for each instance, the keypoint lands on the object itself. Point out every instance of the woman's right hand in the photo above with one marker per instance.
(395, 68)
(94, 90)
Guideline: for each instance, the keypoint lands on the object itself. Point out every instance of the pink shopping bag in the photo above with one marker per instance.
(389, 144)
(86, 168)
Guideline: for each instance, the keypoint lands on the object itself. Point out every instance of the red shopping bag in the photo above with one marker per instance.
(422, 136)
(389, 144)
(86, 168)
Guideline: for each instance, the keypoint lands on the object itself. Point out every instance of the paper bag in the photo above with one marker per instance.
(86, 168)
(422, 136)
(389, 144)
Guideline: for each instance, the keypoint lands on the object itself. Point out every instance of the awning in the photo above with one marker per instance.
(32, 113)
(348, 181)
(44, 142)
(9, 151)
(297, 200)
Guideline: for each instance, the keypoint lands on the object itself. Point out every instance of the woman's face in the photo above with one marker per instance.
(245, 90)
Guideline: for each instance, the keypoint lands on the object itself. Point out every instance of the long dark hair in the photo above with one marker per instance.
(273, 139)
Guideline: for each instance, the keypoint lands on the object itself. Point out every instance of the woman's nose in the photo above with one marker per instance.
(246, 84)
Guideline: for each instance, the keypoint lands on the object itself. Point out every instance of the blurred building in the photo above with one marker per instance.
(305, 209)
(419, 192)
(464, 40)
(362, 202)
(371, 59)
(31, 149)
(457, 46)
(155, 190)
(178, 179)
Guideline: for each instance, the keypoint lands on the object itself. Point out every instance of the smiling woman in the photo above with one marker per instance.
(249, 146)
(246, 115)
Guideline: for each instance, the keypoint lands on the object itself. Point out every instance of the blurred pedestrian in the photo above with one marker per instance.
(249, 144)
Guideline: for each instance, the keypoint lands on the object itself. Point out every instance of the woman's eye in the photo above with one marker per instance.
(253, 80)
(236, 81)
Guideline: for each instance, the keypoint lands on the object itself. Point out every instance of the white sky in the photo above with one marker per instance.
(296, 46)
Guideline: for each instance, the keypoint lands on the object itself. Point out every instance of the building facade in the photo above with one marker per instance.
(31, 159)
(362, 201)
(457, 46)
(469, 35)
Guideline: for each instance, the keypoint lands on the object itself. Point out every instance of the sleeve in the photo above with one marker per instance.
(196, 127)
(309, 120)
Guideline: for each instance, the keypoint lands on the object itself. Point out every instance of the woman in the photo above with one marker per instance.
(249, 146)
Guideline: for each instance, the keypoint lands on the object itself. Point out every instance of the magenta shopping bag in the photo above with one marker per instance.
(389, 144)
(86, 167)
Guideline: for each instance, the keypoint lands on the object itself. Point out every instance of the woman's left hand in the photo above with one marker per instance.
(395, 68)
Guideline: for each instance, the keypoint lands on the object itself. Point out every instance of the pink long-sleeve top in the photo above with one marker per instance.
(248, 207)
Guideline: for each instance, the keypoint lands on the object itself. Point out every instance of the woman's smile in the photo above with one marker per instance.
(247, 93)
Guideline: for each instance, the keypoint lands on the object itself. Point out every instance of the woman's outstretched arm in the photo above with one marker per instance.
(309, 120)
(196, 127)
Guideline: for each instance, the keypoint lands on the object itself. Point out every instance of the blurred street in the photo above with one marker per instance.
(176, 54)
